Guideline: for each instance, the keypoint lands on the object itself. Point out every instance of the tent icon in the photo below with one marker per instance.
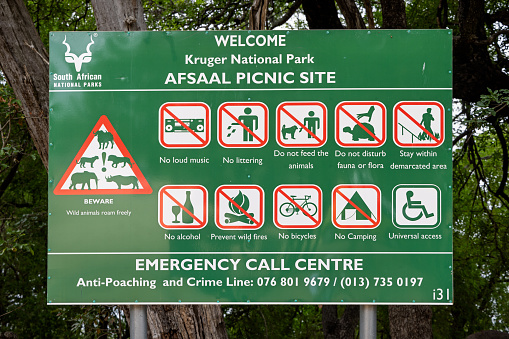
(354, 207)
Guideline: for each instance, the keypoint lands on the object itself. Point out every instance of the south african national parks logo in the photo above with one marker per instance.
(78, 61)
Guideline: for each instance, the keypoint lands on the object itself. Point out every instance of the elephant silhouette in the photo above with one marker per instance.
(83, 178)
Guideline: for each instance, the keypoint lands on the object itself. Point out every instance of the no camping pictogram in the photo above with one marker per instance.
(184, 125)
(301, 124)
(243, 124)
(182, 206)
(297, 206)
(356, 206)
(239, 207)
(419, 124)
(103, 165)
(361, 124)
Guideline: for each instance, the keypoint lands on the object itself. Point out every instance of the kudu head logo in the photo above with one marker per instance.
(71, 58)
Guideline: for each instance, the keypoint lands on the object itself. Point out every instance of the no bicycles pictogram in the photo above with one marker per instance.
(301, 124)
(243, 124)
(297, 206)
(356, 206)
(182, 206)
(239, 207)
(360, 124)
(184, 125)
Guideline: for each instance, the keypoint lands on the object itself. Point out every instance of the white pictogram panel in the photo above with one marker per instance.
(182, 206)
(361, 124)
(239, 207)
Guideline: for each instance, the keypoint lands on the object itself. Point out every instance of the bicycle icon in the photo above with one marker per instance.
(288, 209)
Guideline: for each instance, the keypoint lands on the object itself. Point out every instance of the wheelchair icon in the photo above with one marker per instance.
(414, 210)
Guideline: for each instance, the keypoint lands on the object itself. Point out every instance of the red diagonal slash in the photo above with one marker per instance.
(302, 125)
(243, 126)
(183, 208)
(166, 110)
(418, 124)
(298, 206)
(360, 124)
(356, 207)
(240, 208)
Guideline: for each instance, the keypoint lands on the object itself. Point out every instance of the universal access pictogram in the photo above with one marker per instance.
(419, 124)
(243, 124)
(416, 206)
(301, 124)
(103, 165)
(184, 125)
(297, 206)
(182, 207)
(361, 124)
(356, 206)
(239, 207)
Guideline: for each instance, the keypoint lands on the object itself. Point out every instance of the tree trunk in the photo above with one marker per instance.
(164, 321)
(258, 14)
(351, 13)
(321, 14)
(408, 322)
(24, 61)
(343, 328)
(393, 14)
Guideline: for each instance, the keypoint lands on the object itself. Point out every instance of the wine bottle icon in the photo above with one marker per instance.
(186, 216)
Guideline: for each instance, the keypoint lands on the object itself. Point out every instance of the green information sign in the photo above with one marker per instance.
(250, 167)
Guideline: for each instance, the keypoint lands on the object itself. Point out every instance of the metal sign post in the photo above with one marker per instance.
(138, 321)
(367, 322)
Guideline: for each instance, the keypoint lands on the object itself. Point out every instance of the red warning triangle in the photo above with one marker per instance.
(103, 165)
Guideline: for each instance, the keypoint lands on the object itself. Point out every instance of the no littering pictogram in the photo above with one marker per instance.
(297, 206)
(301, 124)
(182, 206)
(419, 124)
(243, 124)
(184, 125)
(356, 206)
(239, 207)
(360, 124)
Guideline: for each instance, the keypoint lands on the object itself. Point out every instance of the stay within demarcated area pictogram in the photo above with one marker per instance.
(301, 124)
(103, 165)
(361, 124)
(419, 124)
(239, 207)
(243, 124)
(182, 206)
(184, 125)
(416, 206)
(297, 206)
(356, 206)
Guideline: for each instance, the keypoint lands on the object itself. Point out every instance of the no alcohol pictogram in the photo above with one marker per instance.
(297, 206)
(356, 206)
(243, 124)
(419, 124)
(239, 207)
(301, 124)
(184, 125)
(360, 124)
(182, 206)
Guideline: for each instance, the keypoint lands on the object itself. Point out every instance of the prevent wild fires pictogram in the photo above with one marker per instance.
(103, 165)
